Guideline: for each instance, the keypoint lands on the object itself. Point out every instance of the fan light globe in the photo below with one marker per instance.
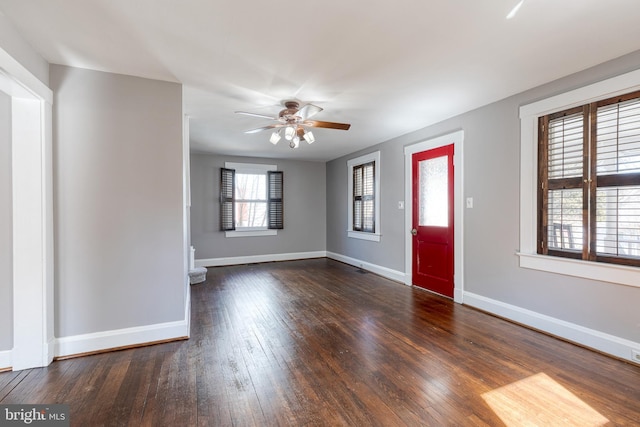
(289, 133)
(308, 136)
(275, 137)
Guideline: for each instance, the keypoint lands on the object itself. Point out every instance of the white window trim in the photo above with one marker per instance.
(375, 157)
(250, 233)
(529, 114)
(249, 168)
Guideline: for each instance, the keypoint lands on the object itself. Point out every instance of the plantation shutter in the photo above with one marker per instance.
(562, 187)
(616, 214)
(275, 205)
(227, 199)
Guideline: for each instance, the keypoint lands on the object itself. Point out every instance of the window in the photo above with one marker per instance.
(251, 199)
(364, 200)
(589, 174)
(364, 218)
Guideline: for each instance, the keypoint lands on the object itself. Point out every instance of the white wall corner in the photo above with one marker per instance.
(187, 310)
(600, 341)
(32, 232)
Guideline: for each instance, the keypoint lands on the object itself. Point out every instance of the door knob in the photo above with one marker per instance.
(414, 231)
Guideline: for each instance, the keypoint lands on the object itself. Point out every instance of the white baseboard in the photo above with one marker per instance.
(5, 359)
(99, 341)
(606, 343)
(388, 273)
(218, 262)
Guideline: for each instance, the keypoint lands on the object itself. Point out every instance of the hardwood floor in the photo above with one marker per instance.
(316, 342)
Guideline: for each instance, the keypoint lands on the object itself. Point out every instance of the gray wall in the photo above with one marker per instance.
(117, 201)
(6, 227)
(304, 210)
(389, 252)
(491, 228)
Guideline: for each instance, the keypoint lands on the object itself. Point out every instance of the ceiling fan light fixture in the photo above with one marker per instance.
(289, 133)
(275, 137)
(294, 119)
(308, 136)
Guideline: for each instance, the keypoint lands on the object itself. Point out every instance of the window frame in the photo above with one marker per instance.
(529, 116)
(251, 168)
(351, 164)
(589, 183)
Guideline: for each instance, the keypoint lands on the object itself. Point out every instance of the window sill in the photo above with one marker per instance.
(250, 233)
(373, 237)
(613, 273)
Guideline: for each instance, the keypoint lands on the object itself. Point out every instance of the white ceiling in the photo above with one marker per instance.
(386, 67)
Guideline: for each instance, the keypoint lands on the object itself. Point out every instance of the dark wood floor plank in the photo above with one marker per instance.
(316, 342)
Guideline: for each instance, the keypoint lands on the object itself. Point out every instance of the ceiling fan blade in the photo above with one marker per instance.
(308, 111)
(256, 115)
(264, 128)
(330, 125)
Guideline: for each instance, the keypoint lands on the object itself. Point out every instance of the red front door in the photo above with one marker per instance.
(433, 220)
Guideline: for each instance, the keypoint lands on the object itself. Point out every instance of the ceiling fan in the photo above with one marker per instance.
(295, 121)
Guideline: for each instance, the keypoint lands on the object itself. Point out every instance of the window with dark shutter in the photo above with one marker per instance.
(275, 199)
(589, 173)
(364, 197)
(227, 199)
(251, 199)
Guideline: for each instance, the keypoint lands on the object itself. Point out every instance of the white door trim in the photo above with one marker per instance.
(455, 138)
(32, 200)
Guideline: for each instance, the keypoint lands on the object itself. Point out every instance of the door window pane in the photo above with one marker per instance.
(434, 194)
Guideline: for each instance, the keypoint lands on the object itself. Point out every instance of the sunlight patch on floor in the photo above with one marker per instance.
(540, 401)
